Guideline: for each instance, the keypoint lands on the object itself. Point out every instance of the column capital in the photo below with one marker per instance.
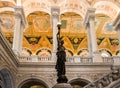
(19, 12)
(90, 14)
(116, 22)
(55, 11)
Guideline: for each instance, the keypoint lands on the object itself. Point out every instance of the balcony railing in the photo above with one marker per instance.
(35, 58)
(108, 59)
(79, 59)
(113, 59)
(70, 59)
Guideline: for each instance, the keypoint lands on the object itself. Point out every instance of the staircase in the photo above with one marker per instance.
(111, 80)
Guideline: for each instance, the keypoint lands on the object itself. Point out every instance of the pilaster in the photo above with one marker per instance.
(55, 13)
(89, 14)
(20, 23)
(89, 23)
(116, 24)
(18, 2)
(19, 10)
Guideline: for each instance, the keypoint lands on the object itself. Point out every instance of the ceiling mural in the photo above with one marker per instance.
(72, 23)
(103, 26)
(8, 21)
(39, 22)
(38, 36)
(75, 41)
(108, 28)
(38, 33)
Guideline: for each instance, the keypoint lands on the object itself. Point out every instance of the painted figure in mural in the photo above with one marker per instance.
(61, 59)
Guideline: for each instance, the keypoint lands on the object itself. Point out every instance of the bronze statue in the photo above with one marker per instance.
(61, 59)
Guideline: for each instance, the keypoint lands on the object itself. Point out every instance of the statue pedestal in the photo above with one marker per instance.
(62, 85)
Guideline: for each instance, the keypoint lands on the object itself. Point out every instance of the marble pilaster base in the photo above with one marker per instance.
(97, 57)
(62, 85)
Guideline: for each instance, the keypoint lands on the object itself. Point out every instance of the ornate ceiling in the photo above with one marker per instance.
(38, 33)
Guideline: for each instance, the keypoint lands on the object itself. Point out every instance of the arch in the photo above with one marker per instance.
(6, 9)
(73, 10)
(79, 82)
(69, 52)
(11, 1)
(33, 6)
(43, 52)
(26, 52)
(31, 82)
(83, 52)
(6, 79)
(78, 7)
(1, 82)
(105, 52)
(27, 12)
(106, 7)
(117, 53)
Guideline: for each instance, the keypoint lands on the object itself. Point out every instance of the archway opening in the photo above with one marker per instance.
(33, 83)
(79, 83)
(6, 80)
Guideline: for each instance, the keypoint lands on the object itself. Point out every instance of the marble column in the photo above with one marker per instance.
(89, 23)
(20, 23)
(18, 2)
(116, 24)
(89, 40)
(55, 16)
